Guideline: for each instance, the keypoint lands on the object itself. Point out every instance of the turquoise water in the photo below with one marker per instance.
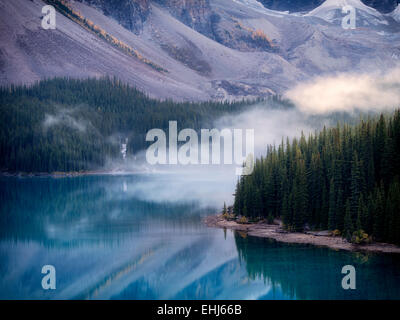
(112, 237)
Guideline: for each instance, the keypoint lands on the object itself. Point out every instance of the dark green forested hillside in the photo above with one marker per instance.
(344, 179)
(71, 125)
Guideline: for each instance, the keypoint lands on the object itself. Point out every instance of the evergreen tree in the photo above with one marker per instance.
(343, 178)
(224, 210)
(332, 207)
(361, 214)
(379, 214)
(348, 222)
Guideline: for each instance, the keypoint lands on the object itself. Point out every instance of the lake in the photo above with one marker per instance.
(130, 237)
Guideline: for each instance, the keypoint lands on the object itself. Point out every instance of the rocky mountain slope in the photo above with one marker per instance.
(193, 50)
(130, 14)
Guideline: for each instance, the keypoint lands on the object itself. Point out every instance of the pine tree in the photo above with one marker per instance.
(348, 222)
(332, 207)
(361, 214)
(379, 214)
(356, 186)
(300, 195)
(379, 146)
(237, 202)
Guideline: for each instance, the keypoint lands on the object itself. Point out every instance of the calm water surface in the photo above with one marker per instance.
(112, 237)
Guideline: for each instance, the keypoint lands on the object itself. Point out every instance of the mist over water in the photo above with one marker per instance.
(213, 184)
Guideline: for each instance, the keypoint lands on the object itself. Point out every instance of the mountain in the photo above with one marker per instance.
(191, 50)
(130, 14)
(383, 6)
(133, 13)
(396, 14)
(331, 10)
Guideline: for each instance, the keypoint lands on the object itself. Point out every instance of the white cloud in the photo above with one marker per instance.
(348, 92)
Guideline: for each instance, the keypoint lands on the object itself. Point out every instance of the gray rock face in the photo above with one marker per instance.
(133, 13)
(196, 14)
(129, 13)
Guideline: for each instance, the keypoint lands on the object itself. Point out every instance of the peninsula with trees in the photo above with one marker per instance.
(342, 182)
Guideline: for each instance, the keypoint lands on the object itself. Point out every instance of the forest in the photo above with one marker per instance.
(344, 179)
(72, 125)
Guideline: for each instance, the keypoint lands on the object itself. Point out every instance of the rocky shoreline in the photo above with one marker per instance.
(316, 238)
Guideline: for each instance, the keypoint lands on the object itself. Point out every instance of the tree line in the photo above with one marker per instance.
(72, 125)
(344, 179)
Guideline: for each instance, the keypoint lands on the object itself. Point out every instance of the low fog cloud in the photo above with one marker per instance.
(65, 117)
(348, 92)
(314, 101)
(270, 125)
(211, 185)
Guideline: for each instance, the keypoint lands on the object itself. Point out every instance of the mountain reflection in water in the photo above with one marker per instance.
(109, 238)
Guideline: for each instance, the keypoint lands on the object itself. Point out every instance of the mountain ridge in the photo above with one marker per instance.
(383, 6)
(248, 51)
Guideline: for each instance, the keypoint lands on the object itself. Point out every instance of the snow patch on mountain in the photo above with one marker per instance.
(396, 14)
(331, 11)
(258, 7)
(329, 5)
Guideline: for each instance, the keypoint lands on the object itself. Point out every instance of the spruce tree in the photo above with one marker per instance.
(348, 222)
(332, 207)
(379, 214)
